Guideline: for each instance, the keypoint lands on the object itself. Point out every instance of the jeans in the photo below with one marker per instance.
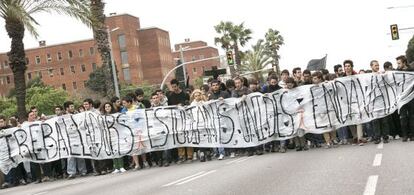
(343, 133)
(220, 151)
(76, 164)
(368, 129)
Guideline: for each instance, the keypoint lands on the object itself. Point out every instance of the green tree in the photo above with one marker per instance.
(232, 37)
(19, 16)
(410, 50)
(8, 106)
(273, 41)
(256, 59)
(128, 88)
(45, 98)
(198, 82)
(35, 82)
(101, 37)
(96, 80)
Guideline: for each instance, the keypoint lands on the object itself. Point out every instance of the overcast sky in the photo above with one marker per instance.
(347, 29)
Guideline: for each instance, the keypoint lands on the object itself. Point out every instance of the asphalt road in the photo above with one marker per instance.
(370, 169)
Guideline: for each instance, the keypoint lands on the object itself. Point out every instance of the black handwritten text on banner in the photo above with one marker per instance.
(258, 119)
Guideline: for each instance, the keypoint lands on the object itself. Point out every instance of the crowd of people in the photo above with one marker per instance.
(396, 126)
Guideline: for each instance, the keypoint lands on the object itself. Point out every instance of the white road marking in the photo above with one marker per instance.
(371, 185)
(380, 146)
(39, 193)
(245, 159)
(233, 161)
(377, 160)
(182, 179)
(202, 175)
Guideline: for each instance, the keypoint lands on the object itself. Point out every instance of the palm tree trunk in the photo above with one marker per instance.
(277, 67)
(101, 37)
(238, 57)
(17, 62)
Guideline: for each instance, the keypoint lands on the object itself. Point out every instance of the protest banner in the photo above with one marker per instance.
(231, 123)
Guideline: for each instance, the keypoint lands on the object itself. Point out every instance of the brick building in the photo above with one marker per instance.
(196, 50)
(140, 55)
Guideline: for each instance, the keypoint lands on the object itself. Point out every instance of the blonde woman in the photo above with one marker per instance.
(197, 98)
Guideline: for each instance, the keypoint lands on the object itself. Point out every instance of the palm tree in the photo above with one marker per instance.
(232, 38)
(101, 37)
(273, 42)
(409, 53)
(18, 16)
(256, 60)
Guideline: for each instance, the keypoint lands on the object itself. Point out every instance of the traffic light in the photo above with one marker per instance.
(394, 32)
(230, 60)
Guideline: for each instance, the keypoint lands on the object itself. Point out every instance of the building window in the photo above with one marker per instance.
(70, 54)
(124, 57)
(72, 69)
(64, 86)
(59, 56)
(83, 68)
(201, 57)
(93, 66)
(193, 58)
(62, 72)
(127, 76)
(29, 76)
(74, 85)
(27, 61)
(39, 74)
(194, 70)
(50, 72)
(37, 60)
(8, 79)
(121, 41)
(91, 51)
(85, 83)
(80, 53)
(6, 64)
(48, 57)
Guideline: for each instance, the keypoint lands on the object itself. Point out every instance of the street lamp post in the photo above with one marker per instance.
(115, 78)
(183, 62)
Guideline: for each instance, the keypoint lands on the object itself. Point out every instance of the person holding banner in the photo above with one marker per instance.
(74, 164)
(16, 175)
(129, 105)
(240, 92)
(214, 94)
(178, 97)
(380, 125)
(197, 99)
(272, 87)
(329, 137)
(118, 164)
(356, 130)
(299, 141)
(406, 111)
